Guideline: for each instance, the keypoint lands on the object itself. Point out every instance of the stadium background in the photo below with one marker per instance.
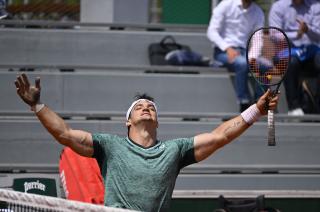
(186, 15)
(160, 11)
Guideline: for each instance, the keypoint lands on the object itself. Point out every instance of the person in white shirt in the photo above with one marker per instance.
(231, 24)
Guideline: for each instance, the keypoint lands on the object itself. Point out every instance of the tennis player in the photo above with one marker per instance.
(139, 170)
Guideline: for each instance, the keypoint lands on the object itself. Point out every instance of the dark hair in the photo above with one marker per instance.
(143, 96)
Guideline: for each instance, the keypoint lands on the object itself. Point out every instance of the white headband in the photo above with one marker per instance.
(135, 102)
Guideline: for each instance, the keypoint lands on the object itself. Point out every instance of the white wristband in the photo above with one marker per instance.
(251, 114)
(36, 108)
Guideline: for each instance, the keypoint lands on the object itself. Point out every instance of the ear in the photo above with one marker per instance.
(128, 123)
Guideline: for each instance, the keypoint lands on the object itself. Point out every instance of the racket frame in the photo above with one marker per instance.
(271, 120)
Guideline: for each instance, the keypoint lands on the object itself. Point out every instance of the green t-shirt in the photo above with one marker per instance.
(140, 178)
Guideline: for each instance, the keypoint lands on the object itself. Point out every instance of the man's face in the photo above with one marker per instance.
(297, 2)
(246, 3)
(143, 111)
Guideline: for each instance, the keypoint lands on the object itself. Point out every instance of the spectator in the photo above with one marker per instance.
(3, 12)
(301, 23)
(231, 24)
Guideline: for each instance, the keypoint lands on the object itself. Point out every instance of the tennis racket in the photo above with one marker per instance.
(268, 56)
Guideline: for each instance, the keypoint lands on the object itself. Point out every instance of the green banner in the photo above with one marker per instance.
(42, 186)
(186, 11)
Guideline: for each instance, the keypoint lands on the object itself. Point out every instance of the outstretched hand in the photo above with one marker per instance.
(268, 100)
(28, 93)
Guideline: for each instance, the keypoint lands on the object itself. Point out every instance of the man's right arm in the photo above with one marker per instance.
(79, 141)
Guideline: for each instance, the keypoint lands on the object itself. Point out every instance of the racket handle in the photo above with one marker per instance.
(271, 129)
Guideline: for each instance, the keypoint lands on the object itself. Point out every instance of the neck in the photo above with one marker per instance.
(143, 136)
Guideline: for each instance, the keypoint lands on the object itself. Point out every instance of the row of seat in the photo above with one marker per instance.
(105, 92)
(95, 48)
(246, 163)
(297, 144)
(84, 47)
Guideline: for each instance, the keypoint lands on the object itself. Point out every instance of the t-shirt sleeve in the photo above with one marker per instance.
(186, 146)
(100, 147)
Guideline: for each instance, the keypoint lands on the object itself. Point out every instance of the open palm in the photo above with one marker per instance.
(28, 93)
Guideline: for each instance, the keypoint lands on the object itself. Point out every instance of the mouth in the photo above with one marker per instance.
(146, 114)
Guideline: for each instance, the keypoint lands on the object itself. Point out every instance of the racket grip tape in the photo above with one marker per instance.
(271, 129)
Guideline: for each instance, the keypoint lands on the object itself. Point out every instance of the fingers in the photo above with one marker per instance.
(272, 106)
(37, 82)
(275, 97)
(270, 94)
(273, 101)
(26, 81)
(20, 83)
(17, 86)
(268, 101)
(299, 21)
(28, 93)
(303, 28)
(267, 94)
(232, 54)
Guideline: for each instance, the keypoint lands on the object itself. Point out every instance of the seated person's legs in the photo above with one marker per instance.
(291, 84)
(298, 69)
(239, 67)
(317, 69)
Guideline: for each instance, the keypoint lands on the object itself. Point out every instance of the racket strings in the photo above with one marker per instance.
(268, 56)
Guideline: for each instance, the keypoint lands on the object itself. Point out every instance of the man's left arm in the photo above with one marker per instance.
(207, 143)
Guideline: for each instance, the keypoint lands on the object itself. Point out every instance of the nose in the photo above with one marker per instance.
(145, 109)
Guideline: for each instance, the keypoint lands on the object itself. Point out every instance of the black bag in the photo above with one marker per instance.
(158, 51)
(310, 96)
(243, 205)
